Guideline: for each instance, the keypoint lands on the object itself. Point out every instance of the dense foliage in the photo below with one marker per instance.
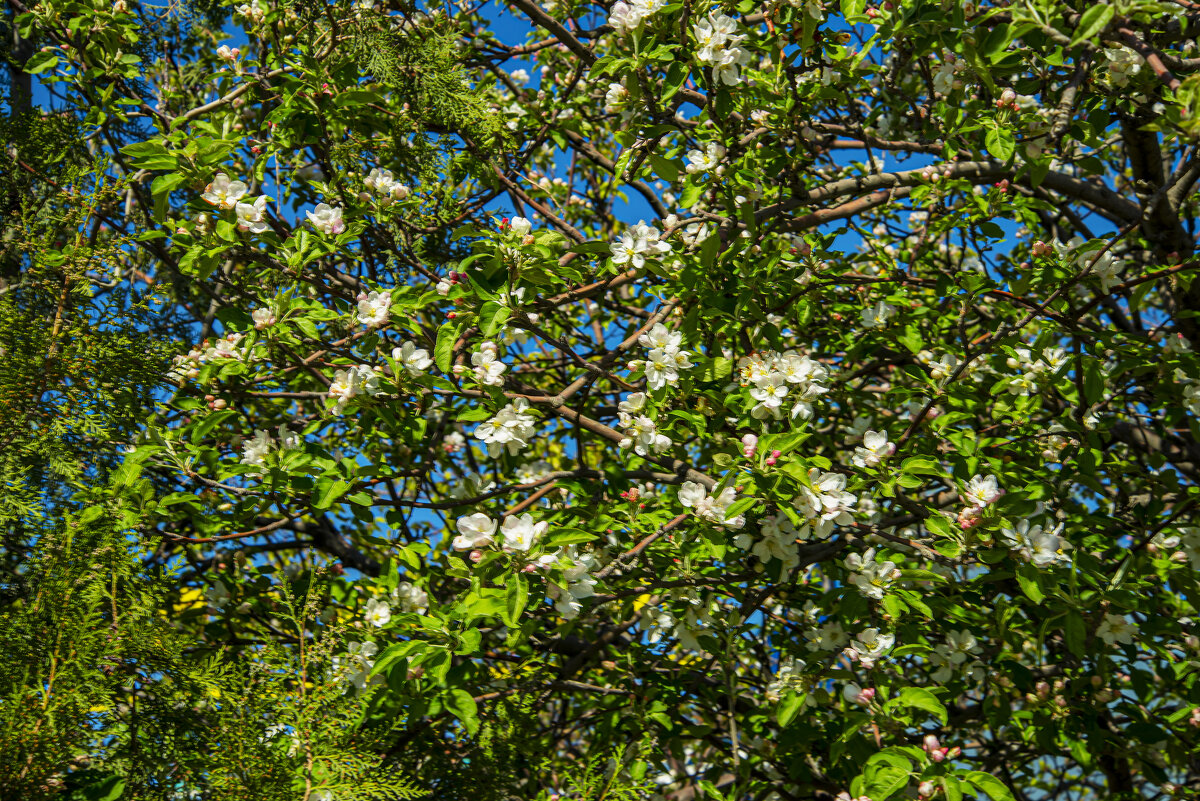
(766, 400)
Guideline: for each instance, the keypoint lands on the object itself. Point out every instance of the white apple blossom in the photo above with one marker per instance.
(777, 540)
(351, 382)
(252, 11)
(520, 226)
(415, 360)
(870, 646)
(255, 449)
(628, 16)
(707, 159)
(373, 308)
(875, 449)
(224, 193)
(327, 219)
(642, 435)
(511, 429)
(711, 507)
(1040, 547)
(825, 504)
(377, 613)
(252, 217)
(981, 492)
(263, 318)
(289, 440)
(355, 667)
(660, 369)
(877, 315)
(488, 368)
(520, 533)
(662, 338)
(1115, 629)
(474, 531)
(410, 598)
(829, 636)
(718, 47)
(382, 183)
(871, 577)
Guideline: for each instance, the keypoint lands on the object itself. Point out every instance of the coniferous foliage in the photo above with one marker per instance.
(724, 399)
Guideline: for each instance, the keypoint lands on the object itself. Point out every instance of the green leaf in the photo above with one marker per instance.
(40, 62)
(853, 8)
(392, 654)
(1028, 579)
(953, 788)
(919, 698)
(328, 491)
(1000, 142)
(1093, 381)
(443, 349)
(997, 39)
(1094, 20)
(791, 703)
(464, 708)
(741, 505)
(886, 781)
(664, 167)
(1075, 632)
(990, 785)
(166, 183)
(920, 464)
(516, 596)
(492, 316)
(691, 193)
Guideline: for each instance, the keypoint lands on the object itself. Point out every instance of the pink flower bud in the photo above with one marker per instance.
(926, 789)
(931, 742)
(475, 556)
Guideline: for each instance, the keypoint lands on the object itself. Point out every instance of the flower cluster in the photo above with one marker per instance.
(625, 17)
(1035, 544)
(824, 504)
(665, 359)
(869, 647)
(641, 433)
(636, 243)
(373, 308)
(382, 183)
(511, 429)
(256, 449)
(979, 493)
(773, 376)
(950, 656)
(707, 159)
(875, 449)
(518, 533)
(711, 507)
(224, 193)
(410, 598)
(413, 359)
(1115, 629)
(1032, 371)
(355, 667)
(361, 379)
(777, 540)
(327, 219)
(717, 40)
(877, 316)
(870, 576)
(488, 368)
(188, 365)
(579, 583)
